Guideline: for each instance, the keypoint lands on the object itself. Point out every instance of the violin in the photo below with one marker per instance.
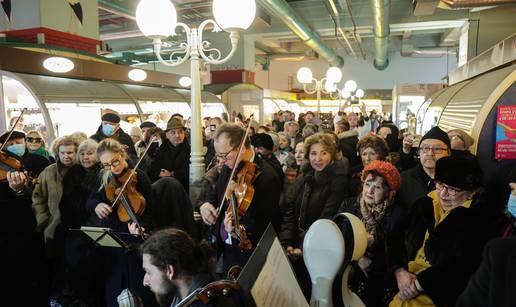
(7, 162)
(129, 202)
(240, 192)
(209, 292)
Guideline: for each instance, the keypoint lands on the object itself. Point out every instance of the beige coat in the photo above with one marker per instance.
(45, 200)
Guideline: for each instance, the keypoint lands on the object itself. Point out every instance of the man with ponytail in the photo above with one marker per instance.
(175, 266)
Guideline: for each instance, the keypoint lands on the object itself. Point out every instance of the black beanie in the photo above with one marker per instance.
(16, 135)
(437, 133)
(262, 140)
(461, 172)
(111, 117)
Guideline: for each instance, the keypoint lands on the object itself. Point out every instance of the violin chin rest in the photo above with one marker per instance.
(323, 253)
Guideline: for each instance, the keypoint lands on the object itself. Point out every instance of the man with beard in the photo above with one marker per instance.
(417, 182)
(175, 266)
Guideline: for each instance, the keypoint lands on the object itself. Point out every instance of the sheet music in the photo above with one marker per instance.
(276, 284)
(96, 232)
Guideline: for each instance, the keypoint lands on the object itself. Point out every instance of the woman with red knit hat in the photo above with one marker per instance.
(370, 277)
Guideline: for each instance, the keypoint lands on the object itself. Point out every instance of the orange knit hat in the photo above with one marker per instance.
(388, 171)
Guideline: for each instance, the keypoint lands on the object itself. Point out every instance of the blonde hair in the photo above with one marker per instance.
(36, 133)
(326, 140)
(66, 140)
(114, 147)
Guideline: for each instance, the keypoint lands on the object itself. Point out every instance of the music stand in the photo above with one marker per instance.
(104, 237)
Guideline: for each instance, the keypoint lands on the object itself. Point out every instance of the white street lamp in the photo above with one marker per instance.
(157, 19)
(350, 86)
(326, 85)
(360, 93)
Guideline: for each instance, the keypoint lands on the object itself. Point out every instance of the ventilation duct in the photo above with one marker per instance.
(284, 12)
(409, 50)
(381, 31)
(456, 4)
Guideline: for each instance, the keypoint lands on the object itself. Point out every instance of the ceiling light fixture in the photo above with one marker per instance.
(185, 81)
(137, 75)
(58, 64)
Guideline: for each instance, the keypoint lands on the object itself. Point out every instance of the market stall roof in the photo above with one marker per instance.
(218, 89)
(57, 89)
(465, 100)
(152, 93)
(206, 97)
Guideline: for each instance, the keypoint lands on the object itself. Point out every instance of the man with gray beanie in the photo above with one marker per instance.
(417, 182)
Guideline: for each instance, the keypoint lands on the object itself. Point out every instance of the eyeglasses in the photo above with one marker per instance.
(451, 190)
(113, 163)
(224, 155)
(435, 150)
(34, 140)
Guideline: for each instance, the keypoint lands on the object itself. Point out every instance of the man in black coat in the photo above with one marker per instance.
(172, 158)
(264, 207)
(417, 182)
(348, 140)
(494, 282)
(110, 128)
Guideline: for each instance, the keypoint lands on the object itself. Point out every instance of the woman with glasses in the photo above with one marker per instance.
(113, 158)
(441, 244)
(36, 145)
(371, 277)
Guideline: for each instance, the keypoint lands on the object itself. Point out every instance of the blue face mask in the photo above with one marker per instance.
(108, 129)
(17, 149)
(511, 205)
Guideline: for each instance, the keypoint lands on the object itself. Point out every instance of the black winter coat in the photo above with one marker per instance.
(494, 282)
(264, 208)
(453, 248)
(319, 195)
(348, 146)
(121, 137)
(175, 159)
(415, 184)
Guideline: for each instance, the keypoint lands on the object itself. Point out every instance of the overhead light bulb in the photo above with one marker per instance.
(58, 64)
(330, 87)
(304, 75)
(137, 75)
(350, 86)
(345, 94)
(185, 81)
(334, 74)
(360, 93)
(234, 15)
(156, 18)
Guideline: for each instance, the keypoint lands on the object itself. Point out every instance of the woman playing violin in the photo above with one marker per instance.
(122, 270)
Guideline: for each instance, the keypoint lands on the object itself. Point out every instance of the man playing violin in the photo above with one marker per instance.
(176, 267)
(263, 209)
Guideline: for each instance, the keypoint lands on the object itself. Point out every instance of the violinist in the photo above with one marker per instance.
(121, 270)
(263, 208)
(17, 147)
(22, 247)
(175, 266)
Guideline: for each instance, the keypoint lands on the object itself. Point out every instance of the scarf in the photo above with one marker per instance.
(40, 151)
(372, 215)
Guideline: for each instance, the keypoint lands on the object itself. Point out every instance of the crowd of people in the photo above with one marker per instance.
(428, 210)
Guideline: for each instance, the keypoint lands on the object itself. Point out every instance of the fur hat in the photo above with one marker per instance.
(462, 172)
(262, 140)
(389, 173)
(437, 133)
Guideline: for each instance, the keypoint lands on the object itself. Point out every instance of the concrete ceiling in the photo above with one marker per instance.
(437, 28)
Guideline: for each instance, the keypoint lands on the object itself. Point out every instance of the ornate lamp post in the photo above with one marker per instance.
(157, 19)
(325, 85)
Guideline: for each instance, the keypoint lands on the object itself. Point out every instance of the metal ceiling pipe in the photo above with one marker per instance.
(116, 9)
(456, 4)
(381, 11)
(284, 12)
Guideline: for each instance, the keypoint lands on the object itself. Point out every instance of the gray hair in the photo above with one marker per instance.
(87, 145)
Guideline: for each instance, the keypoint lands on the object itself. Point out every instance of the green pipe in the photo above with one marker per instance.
(284, 12)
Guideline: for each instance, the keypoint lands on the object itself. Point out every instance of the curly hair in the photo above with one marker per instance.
(325, 139)
(375, 142)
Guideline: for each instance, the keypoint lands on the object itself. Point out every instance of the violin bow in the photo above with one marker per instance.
(13, 128)
(237, 162)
